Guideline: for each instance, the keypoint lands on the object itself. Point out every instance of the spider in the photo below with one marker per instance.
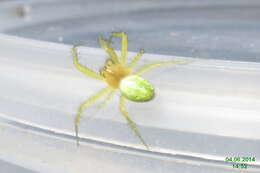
(120, 76)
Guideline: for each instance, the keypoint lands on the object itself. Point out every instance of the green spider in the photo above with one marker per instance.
(119, 75)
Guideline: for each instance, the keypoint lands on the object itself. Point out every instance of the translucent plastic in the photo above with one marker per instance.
(209, 103)
(203, 111)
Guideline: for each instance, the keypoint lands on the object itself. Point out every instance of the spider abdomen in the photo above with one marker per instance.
(137, 89)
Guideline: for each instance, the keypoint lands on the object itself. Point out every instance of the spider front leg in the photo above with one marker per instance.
(108, 49)
(130, 122)
(124, 44)
(136, 59)
(84, 105)
(82, 68)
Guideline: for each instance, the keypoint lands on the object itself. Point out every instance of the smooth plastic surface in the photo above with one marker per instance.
(203, 111)
(203, 103)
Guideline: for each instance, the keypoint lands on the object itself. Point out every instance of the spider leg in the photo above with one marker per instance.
(151, 66)
(130, 122)
(124, 44)
(136, 59)
(85, 105)
(108, 49)
(82, 68)
(104, 103)
(107, 99)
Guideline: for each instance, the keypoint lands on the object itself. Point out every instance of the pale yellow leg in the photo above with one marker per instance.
(85, 105)
(136, 59)
(82, 68)
(151, 66)
(130, 122)
(104, 103)
(108, 49)
(107, 99)
(124, 44)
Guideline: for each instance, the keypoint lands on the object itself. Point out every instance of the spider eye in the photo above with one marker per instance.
(109, 62)
(137, 89)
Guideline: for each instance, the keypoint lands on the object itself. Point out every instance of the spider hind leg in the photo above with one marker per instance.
(130, 122)
(84, 105)
(148, 67)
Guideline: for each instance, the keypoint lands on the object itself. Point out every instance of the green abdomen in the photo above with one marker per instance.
(136, 88)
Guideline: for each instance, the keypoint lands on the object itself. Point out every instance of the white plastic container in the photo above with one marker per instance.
(203, 111)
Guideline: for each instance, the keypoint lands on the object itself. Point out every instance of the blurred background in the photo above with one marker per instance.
(211, 29)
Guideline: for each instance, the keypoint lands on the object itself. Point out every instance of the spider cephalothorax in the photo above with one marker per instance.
(120, 75)
(113, 73)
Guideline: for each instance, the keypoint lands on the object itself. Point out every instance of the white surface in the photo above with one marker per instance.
(197, 104)
(202, 113)
(208, 92)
